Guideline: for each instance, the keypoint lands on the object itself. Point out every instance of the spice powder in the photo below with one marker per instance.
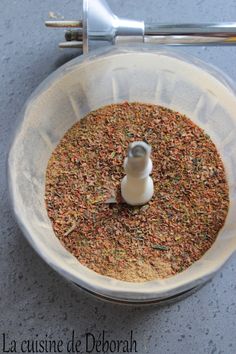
(136, 244)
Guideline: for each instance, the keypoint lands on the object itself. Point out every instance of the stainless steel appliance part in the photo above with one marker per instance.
(100, 24)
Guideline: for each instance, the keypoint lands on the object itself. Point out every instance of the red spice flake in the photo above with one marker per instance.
(136, 244)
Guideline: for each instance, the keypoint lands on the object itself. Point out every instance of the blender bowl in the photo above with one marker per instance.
(107, 76)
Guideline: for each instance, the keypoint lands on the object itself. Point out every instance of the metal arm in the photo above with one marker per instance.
(100, 24)
(191, 34)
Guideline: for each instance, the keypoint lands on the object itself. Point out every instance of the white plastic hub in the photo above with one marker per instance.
(137, 186)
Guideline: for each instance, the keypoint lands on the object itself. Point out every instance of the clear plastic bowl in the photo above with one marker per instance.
(109, 76)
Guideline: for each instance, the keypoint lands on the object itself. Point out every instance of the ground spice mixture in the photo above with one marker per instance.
(136, 244)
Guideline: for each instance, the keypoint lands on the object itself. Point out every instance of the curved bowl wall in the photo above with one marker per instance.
(87, 83)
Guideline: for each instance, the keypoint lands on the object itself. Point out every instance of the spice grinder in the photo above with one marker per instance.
(179, 82)
(99, 24)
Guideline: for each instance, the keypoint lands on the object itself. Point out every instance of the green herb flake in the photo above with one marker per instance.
(113, 154)
(160, 247)
(128, 133)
